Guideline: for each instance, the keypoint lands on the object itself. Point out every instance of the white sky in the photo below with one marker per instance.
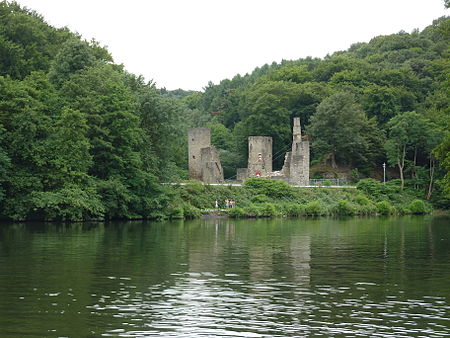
(186, 43)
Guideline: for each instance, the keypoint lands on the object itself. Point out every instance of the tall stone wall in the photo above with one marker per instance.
(286, 170)
(259, 155)
(241, 174)
(212, 171)
(296, 131)
(299, 157)
(198, 138)
(299, 165)
(304, 176)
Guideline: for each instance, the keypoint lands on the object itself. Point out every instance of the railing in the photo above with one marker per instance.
(325, 182)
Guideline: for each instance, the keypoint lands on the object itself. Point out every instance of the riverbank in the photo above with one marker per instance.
(272, 198)
(262, 198)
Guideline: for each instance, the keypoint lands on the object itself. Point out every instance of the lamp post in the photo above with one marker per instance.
(384, 173)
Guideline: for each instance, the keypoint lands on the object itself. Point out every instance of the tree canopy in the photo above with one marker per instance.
(81, 138)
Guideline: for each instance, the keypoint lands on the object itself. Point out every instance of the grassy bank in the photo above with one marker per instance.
(261, 197)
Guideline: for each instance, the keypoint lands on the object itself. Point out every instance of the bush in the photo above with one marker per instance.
(260, 198)
(371, 187)
(268, 187)
(385, 208)
(393, 186)
(194, 187)
(71, 203)
(252, 211)
(236, 212)
(175, 213)
(292, 209)
(314, 208)
(268, 210)
(327, 183)
(402, 209)
(190, 211)
(344, 207)
(418, 207)
(369, 209)
(196, 194)
(362, 200)
(354, 175)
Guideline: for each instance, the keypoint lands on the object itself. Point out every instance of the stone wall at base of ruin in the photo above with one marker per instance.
(198, 138)
(241, 174)
(204, 163)
(212, 171)
(299, 163)
(286, 170)
(259, 155)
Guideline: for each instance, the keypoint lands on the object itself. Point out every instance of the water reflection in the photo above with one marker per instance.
(256, 278)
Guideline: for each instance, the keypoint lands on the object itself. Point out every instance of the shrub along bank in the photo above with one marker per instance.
(259, 197)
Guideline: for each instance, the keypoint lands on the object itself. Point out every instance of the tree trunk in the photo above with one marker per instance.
(333, 159)
(401, 165)
(430, 185)
(413, 171)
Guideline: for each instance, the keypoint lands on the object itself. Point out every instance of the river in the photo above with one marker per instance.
(220, 277)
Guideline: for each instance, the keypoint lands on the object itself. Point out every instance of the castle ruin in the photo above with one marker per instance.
(204, 163)
(296, 162)
(295, 170)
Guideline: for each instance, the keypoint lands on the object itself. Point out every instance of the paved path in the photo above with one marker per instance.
(297, 186)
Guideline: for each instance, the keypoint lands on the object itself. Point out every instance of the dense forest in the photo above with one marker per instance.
(81, 138)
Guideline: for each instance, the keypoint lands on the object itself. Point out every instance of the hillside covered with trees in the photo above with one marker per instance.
(81, 138)
(382, 101)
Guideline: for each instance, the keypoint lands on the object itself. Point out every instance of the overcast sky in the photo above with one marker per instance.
(187, 43)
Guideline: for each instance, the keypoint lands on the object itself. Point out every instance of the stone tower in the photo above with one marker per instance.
(297, 161)
(259, 155)
(212, 171)
(198, 138)
(204, 163)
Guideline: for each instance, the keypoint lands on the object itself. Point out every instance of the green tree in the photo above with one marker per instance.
(125, 180)
(336, 129)
(443, 154)
(5, 162)
(269, 108)
(74, 56)
(26, 118)
(434, 138)
(163, 131)
(27, 42)
(405, 131)
(386, 102)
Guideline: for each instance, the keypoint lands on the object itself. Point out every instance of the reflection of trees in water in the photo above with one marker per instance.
(300, 254)
(215, 273)
(260, 249)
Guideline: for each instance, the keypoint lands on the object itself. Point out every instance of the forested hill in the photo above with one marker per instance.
(382, 101)
(82, 138)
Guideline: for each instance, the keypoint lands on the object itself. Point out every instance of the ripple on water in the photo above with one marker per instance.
(200, 305)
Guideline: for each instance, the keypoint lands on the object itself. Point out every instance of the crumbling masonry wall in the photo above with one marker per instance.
(241, 174)
(198, 138)
(296, 162)
(295, 170)
(212, 171)
(204, 163)
(259, 155)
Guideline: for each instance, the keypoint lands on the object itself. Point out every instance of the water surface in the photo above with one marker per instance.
(248, 278)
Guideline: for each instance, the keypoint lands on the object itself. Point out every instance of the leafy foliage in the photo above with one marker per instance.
(337, 129)
(81, 138)
(347, 103)
(268, 187)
